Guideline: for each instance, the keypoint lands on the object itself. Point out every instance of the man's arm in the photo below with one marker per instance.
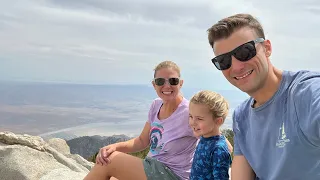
(306, 97)
(241, 169)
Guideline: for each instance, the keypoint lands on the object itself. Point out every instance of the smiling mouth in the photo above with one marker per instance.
(244, 76)
(167, 92)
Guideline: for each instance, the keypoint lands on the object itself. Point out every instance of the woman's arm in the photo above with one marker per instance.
(134, 145)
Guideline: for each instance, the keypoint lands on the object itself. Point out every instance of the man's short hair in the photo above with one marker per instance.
(225, 27)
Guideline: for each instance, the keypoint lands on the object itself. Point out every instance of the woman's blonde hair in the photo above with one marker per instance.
(217, 104)
(167, 64)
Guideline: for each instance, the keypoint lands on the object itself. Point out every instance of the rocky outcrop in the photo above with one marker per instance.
(25, 157)
(60, 145)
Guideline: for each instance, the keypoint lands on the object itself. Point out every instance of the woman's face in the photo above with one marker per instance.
(167, 84)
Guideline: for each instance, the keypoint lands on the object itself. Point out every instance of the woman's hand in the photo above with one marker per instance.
(104, 153)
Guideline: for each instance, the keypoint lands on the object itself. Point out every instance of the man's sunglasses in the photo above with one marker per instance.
(161, 81)
(242, 53)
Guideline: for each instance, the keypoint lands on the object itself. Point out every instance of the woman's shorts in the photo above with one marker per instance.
(155, 170)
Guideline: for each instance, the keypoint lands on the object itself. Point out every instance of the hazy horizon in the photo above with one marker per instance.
(78, 109)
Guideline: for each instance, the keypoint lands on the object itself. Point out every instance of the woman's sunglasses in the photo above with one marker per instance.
(243, 53)
(161, 81)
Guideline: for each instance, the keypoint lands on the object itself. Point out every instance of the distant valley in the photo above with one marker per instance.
(75, 110)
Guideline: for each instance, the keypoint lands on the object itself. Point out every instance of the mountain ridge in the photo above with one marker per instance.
(86, 146)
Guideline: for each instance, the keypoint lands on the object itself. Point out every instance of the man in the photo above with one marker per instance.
(277, 130)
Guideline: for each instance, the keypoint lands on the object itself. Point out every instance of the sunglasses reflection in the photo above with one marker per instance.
(162, 81)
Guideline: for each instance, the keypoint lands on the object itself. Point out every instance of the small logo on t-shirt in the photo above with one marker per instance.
(155, 138)
(282, 138)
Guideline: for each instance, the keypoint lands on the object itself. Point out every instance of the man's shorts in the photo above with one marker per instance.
(155, 170)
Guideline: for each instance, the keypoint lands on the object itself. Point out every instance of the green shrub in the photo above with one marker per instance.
(228, 133)
(93, 157)
(141, 154)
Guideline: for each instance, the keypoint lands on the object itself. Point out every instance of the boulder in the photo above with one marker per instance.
(26, 157)
(60, 145)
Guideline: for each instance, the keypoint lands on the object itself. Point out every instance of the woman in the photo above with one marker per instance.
(171, 140)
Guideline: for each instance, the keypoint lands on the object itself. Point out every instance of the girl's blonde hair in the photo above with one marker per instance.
(217, 104)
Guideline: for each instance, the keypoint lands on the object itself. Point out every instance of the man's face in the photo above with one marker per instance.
(249, 76)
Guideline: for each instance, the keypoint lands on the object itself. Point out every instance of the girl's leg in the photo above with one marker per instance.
(122, 167)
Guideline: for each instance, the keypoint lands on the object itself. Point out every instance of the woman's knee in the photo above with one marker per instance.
(118, 164)
(106, 168)
(115, 161)
(124, 166)
(113, 155)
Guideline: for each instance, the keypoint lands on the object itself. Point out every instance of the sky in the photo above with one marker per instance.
(121, 41)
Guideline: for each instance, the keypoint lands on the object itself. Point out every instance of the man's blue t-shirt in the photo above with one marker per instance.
(211, 159)
(281, 138)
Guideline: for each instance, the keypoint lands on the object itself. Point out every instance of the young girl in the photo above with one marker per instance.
(212, 159)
